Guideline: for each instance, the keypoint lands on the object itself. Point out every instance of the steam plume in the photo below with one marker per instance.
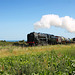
(54, 20)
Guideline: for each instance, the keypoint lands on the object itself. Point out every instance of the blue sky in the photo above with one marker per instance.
(18, 16)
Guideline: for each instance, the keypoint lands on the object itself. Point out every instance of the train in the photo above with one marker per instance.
(34, 38)
(73, 39)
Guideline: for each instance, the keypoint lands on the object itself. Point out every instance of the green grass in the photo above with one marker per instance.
(39, 60)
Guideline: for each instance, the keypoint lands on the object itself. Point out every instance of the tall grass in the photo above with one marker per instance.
(39, 60)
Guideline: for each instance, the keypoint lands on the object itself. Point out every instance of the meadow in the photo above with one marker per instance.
(37, 60)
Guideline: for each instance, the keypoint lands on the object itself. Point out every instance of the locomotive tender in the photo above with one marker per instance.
(44, 39)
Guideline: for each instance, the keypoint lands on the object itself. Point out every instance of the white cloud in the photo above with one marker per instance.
(54, 20)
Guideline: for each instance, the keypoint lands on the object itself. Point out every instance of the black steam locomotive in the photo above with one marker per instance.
(73, 40)
(44, 39)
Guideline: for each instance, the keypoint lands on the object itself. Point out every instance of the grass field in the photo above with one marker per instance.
(38, 60)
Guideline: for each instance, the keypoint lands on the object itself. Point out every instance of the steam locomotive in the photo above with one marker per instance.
(73, 40)
(43, 39)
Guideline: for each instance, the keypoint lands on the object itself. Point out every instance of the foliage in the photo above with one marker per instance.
(61, 62)
(4, 43)
(19, 43)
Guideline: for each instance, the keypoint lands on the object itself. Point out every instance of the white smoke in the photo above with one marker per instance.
(54, 20)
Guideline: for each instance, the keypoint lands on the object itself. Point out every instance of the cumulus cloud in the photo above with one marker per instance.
(54, 20)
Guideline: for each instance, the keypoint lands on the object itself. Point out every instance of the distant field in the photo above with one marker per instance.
(38, 60)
